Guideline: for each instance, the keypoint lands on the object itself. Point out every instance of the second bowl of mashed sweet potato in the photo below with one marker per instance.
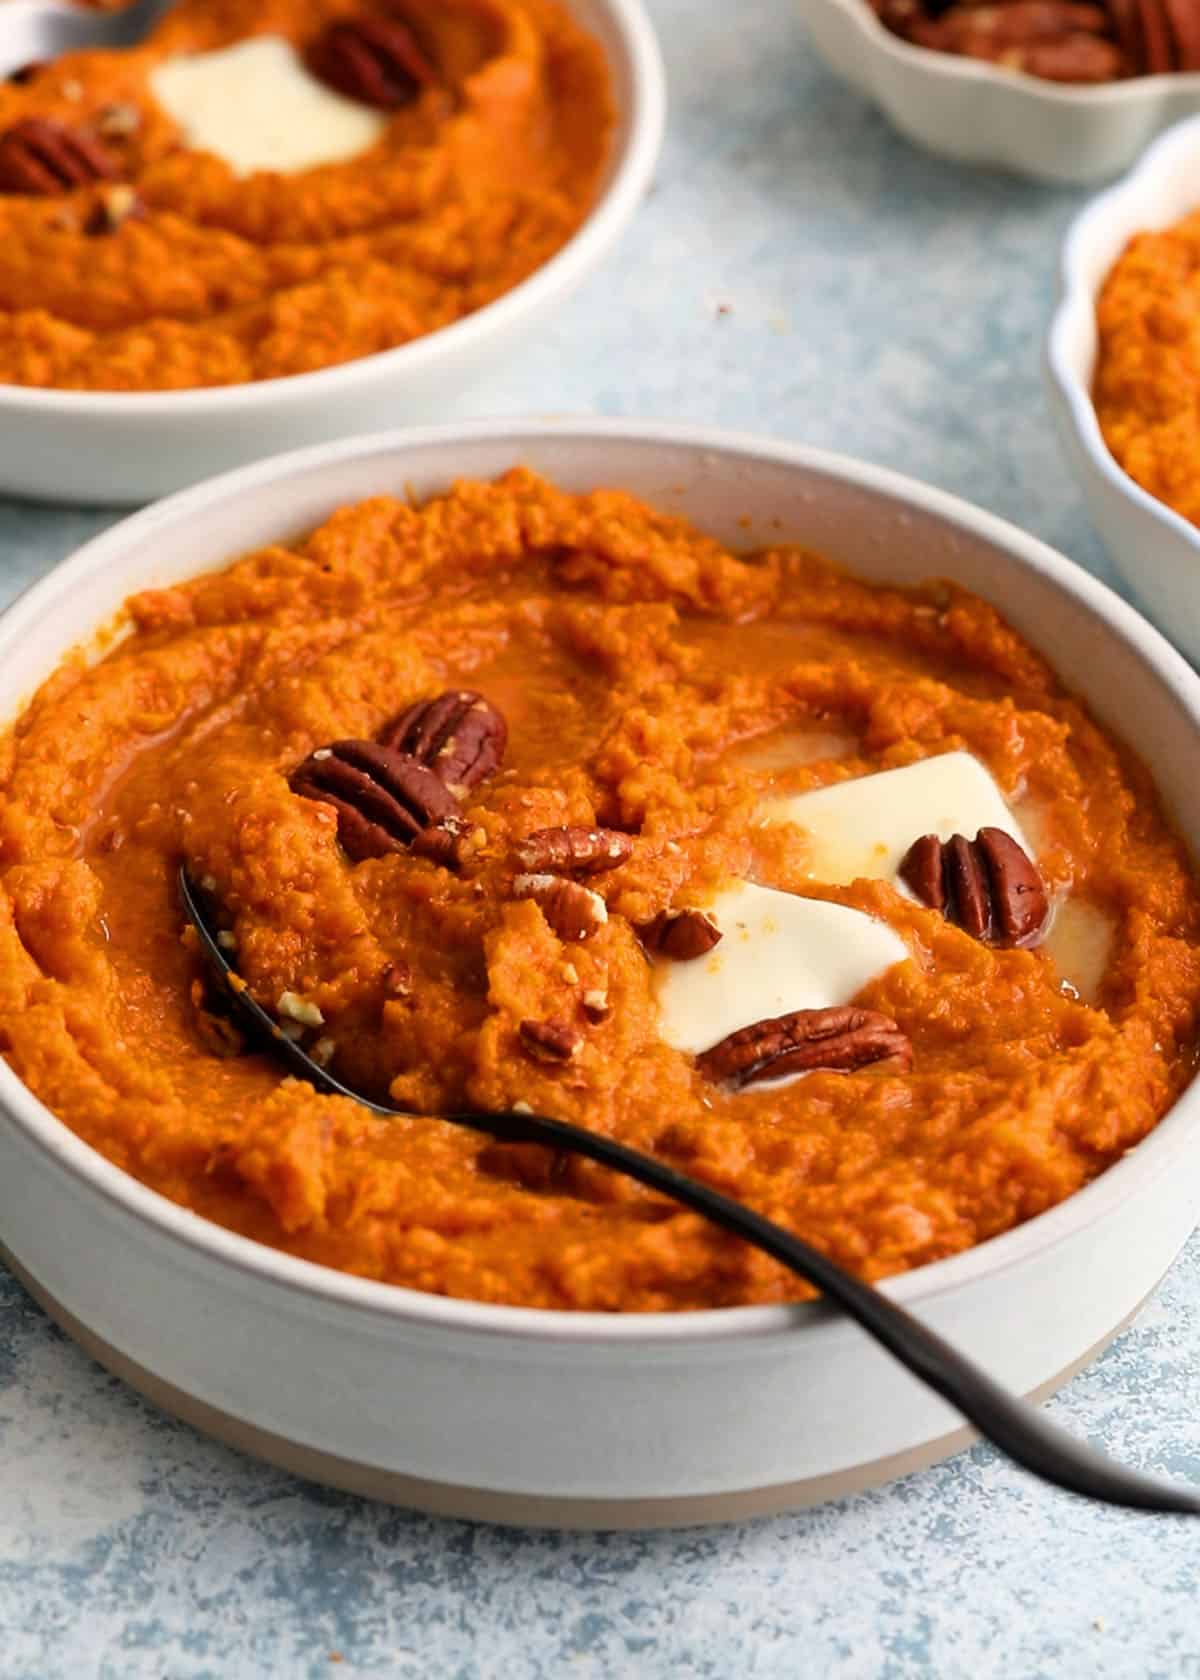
(1122, 364)
(184, 291)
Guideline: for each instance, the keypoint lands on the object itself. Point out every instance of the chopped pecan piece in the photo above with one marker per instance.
(682, 935)
(459, 735)
(988, 886)
(118, 121)
(573, 911)
(376, 60)
(549, 1041)
(596, 1005)
(837, 1040)
(397, 978)
(385, 801)
(114, 206)
(299, 1009)
(44, 158)
(574, 850)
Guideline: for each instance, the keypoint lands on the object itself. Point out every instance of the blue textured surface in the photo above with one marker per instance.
(799, 270)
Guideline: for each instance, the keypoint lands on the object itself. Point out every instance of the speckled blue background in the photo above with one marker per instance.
(799, 270)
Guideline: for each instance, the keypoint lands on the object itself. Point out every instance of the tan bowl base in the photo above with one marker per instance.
(444, 1499)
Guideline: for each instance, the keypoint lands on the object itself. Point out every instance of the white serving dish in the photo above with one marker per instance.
(583, 1418)
(1155, 550)
(977, 113)
(115, 448)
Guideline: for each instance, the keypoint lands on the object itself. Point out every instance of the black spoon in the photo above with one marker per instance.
(1017, 1428)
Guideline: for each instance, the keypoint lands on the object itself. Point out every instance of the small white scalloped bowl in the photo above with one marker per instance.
(114, 448)
(977, 113)
(1156, 551)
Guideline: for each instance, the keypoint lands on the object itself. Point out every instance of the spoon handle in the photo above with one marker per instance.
(1019, 1429)
(1022, 1431)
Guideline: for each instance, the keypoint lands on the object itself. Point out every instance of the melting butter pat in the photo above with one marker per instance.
(777, 953)
(784, 749)
(863, 828)
(255, 106)
(1080, 940)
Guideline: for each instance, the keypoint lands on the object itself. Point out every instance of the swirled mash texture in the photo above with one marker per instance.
(653, 683)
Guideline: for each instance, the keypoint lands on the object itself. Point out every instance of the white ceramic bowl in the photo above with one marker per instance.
(976, 113)
(1155, 550)
(586, 1418)
(117, 447)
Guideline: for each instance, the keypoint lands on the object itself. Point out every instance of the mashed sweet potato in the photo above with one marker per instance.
(648, 679)
(1147, 384)
(217, 279)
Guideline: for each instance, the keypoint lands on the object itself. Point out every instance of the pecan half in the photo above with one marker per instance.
(43, 158)
(549, 1041)
(837, 1040)
(376, 60)
(574, 912)
(574, 850)
(459, 735)
(988, 886)
(682, 935)
(385, 801)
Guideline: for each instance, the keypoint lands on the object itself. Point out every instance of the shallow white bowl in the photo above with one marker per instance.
(1155, 550)
(586, 1418)
(976, 113)
(122, 447)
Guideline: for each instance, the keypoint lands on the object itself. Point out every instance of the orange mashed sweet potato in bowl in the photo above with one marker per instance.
(376, 173)
(473, 787)
(1147, 380)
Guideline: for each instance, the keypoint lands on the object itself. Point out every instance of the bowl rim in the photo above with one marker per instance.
(396, 1305)
(637, 142)
(1130, 90)
(1076, 295)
